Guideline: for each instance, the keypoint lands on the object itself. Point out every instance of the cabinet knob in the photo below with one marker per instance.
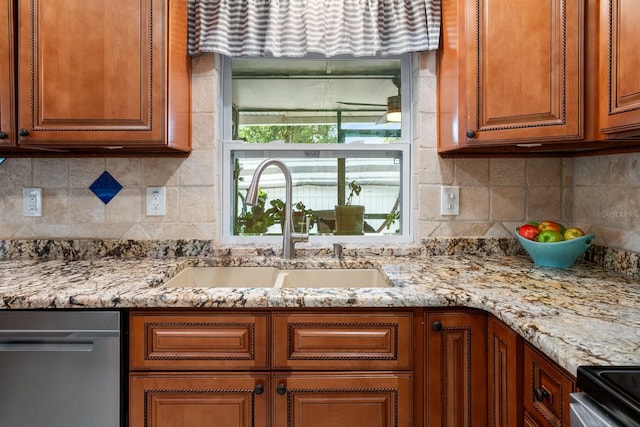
(540, 394)
(258, 389)
(3, 135)
(471, 134)
(281, 389)
(437, 326)
(23, 132)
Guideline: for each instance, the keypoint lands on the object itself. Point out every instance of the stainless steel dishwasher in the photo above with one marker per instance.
(60, 368)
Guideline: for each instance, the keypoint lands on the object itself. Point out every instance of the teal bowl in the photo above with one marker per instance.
(557, 254)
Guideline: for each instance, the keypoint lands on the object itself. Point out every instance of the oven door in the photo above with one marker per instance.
(587, 413)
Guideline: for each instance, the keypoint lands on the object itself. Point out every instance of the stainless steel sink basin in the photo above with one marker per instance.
(272, 277)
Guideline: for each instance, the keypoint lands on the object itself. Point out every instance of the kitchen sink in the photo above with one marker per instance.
(224, 277)
(332, 278)
(272, 277)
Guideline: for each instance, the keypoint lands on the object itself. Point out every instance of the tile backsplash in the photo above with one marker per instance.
(601, 194)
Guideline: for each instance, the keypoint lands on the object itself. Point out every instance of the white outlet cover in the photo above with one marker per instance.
(156, 201)
(32, 201)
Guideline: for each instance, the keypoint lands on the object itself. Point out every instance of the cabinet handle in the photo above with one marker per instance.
(258, 389)
(23, 132)
(471, 134)
(281, 389)
(3, 135)
(437, 326)
(540, 394)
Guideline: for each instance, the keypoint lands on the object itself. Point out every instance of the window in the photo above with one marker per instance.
(331, 121)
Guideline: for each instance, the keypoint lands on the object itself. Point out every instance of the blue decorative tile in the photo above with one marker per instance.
(105, 187)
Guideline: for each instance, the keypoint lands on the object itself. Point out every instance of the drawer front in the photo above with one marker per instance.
(180, 341)
(339, 341)
(546, 390)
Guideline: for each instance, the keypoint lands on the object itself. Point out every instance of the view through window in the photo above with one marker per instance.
(336, 125)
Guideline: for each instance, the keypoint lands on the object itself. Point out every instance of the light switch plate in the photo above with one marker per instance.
(449, 200)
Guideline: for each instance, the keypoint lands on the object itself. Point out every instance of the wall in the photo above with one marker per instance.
(495, 194)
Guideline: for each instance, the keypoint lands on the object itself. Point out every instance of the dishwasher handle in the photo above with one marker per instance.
(42, 341)
(36, 346)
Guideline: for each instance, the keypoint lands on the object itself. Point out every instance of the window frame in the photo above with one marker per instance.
(227, 145)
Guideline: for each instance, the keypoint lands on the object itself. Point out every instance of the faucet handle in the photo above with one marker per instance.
(304, 235)
(337, 250)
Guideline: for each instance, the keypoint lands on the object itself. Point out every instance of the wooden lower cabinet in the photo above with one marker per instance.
(546, 391)
(342, 399)
(198, 400)
(504, 375)
(456, 372)
(279, 368)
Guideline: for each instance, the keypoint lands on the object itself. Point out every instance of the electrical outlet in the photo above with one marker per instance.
(156, 201)
(32, 201)
(449, 200)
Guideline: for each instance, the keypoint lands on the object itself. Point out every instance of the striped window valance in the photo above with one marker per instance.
(295, 28)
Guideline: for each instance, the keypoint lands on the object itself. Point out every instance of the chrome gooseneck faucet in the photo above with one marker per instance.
(289, 236)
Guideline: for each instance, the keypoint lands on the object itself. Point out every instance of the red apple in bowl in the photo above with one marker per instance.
(528, 231)
(550, 225)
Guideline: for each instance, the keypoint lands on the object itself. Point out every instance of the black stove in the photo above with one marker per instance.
(615, 388)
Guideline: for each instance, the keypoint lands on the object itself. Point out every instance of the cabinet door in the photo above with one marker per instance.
(342, 399)
(504, 374)
(510, 72)
(619, 65)
(7, 83)
(95, 73)
(198, 341)
(546, 390)
(198, 400)
(456, 369)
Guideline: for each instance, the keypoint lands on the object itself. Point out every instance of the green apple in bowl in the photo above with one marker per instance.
(549, 236)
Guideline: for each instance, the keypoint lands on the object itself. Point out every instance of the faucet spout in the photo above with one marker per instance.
(289, 236)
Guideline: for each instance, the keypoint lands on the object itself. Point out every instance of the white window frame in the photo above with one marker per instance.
(226, 146)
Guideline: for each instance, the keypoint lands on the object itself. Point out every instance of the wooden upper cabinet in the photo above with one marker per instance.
(619, 65)
(7, 83)
(103, 75)
(510, 72)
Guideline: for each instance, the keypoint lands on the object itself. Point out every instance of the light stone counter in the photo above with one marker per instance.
(584, 315)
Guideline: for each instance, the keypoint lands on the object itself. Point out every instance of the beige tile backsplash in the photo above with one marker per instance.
(601, 194)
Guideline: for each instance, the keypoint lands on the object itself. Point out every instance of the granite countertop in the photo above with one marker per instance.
(580, 316)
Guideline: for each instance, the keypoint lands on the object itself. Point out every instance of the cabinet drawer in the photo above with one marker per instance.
(546, 390)
(339, 341)
(180, 341)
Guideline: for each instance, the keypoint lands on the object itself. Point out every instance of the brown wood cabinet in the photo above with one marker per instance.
(182, 399)
(510, 72)
(519, 77)
(504, 375)
(546, 391)
(7, 74)
(456, 372)
(102, 77)
(279, 368)
(619, 65)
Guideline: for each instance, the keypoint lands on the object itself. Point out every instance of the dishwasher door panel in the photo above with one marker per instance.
(59, 372)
